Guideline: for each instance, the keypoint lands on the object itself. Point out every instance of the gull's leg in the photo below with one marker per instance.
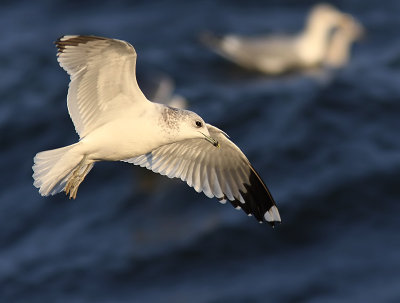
(78, 175)
(79, 180)
(70, 182)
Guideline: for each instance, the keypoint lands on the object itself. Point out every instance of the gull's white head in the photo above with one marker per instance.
(187, 125)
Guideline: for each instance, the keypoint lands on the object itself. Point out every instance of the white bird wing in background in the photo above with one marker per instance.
(224, 173)
(103, 78)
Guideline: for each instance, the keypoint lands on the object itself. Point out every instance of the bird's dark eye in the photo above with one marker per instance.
(199, 124)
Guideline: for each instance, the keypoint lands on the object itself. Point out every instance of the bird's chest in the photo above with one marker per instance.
(125, 138)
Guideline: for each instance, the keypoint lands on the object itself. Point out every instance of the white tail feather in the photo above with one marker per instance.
(52, 169)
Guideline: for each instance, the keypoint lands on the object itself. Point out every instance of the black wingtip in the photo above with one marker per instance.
(73, 40)
(58, 44)
(258, 201)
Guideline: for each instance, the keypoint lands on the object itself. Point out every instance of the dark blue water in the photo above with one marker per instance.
(328, 149)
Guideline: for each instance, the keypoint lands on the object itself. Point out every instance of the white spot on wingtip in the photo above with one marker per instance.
(222, 201)
(249, 215)
(272, 215)
(238, 207)
(268, 216)
(276, 213)
(67, 37)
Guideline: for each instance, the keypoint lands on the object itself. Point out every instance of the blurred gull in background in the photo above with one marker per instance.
(280, 54)
(159, 87)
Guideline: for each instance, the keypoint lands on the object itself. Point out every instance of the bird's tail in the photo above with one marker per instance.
(60, 169)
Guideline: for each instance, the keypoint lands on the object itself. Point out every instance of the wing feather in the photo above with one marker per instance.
(224, 173)
(103, 78)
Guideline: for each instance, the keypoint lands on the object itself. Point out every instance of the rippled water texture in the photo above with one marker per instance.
(328, 148)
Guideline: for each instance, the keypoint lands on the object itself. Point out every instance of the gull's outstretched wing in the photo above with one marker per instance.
(103, 78)
(222, 172)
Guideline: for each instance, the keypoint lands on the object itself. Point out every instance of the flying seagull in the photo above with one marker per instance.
(115, 122)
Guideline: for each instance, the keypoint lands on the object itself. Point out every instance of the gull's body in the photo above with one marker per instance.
(280, 54)
(116, 122)
(142, 134)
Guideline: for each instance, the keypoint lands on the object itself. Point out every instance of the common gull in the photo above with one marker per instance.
(277, 54)
(115, 122)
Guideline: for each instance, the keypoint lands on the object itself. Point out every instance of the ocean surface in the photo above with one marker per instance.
(328, 147)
